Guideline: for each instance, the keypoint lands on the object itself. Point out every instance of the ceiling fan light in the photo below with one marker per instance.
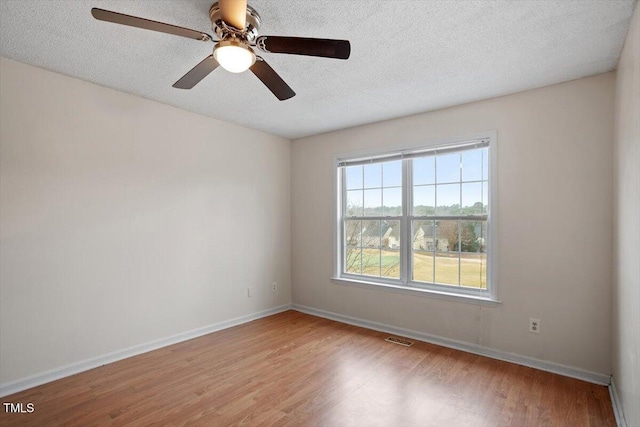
(233, 56)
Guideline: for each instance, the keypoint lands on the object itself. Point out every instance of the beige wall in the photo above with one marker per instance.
(125, 220)
(119, 222)
(555, 173)
(626, 293)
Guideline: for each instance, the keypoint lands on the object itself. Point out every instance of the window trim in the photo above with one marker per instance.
(389, 153)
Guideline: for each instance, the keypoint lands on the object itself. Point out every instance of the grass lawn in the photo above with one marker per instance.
(472, 267)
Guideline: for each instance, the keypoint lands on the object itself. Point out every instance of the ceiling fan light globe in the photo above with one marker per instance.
(233, 56)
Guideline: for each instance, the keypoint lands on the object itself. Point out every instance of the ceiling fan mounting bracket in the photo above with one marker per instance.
(224, 31)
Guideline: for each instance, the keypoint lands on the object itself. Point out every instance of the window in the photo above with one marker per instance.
(419, 218)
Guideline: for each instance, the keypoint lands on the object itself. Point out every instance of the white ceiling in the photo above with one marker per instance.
(406, 56)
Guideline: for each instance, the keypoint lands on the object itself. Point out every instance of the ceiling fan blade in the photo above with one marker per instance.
(326, 48)
(271, 80)
(197, 73)
(234, 12)
(147, 24)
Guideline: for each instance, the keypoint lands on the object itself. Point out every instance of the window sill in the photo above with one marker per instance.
(429, 293)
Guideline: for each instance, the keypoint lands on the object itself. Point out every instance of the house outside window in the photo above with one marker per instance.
(420, 219)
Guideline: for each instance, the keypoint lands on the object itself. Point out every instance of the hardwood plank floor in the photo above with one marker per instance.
(292, 369)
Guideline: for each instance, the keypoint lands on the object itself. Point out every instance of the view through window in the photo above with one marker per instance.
(417, 218)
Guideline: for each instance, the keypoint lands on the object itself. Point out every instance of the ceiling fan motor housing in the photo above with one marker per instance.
(249, 33)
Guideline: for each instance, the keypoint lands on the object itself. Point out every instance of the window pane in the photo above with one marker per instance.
(371, 248)
(447, 258)
(352, 233)
(371, 262)
(392, 201)
(424, 200)
(392, 174)
(472, 165)
(373, 176)
(483, 237)
(390, 254)
(354, 203)
(353, 260)
(423, 266)
(485, 197)
(472, 199)
(371, 234)
(424, 170)
(446, 269)
(423, 247)
(390, 232)
(473, 270)
(448, 168)
(485, 164)
(373, 202)
(470, 235)
(423, 236)
(390, 264)
(354, 177)
(447, 236)
(448, 199)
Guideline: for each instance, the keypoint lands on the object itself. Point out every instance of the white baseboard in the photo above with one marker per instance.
(556, 368)
(84, 365)
(94, 362)
(617, 407)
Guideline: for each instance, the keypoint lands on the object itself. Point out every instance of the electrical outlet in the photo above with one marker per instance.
(249, 292)
(534, 325)
(274, 287)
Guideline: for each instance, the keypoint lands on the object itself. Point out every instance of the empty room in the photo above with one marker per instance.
(320, 213)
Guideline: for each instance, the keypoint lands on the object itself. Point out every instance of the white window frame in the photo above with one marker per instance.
(404, 285)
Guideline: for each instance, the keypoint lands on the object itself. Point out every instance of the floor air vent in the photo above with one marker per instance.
(400, 341)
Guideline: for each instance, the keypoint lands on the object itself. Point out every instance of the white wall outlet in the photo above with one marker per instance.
(534, 325)
(249, 292)
(274, 287)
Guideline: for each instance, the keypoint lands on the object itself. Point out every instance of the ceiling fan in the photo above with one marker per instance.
(236, 25)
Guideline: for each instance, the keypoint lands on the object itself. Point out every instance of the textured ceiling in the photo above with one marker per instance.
(406, 56)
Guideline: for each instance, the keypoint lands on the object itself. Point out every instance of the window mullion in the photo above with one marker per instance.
(407, 211)
(460, 224)
(380, 222)
(459, 253)
(342, 256)
(361, 237)
(435, 223)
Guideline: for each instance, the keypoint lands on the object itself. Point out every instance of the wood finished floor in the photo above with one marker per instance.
(292, 369)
